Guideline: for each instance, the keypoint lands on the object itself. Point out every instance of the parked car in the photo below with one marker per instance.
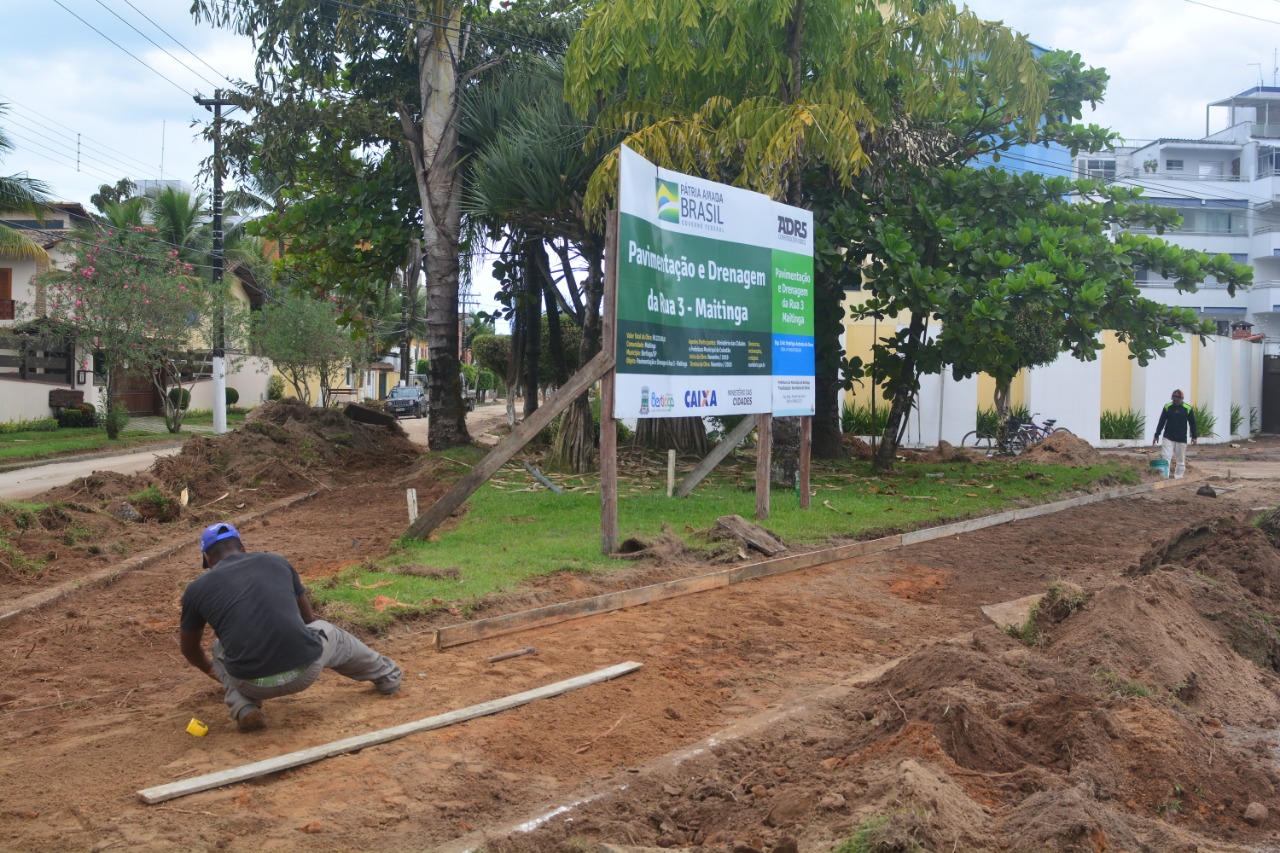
(407, 400)
(468, 393)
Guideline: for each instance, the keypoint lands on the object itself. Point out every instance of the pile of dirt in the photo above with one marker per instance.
(1126, 723)
(1064, 448)
(284, 448)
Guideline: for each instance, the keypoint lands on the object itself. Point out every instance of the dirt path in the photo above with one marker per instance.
(96, 699)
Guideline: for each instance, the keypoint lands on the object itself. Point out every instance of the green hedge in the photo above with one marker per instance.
(37, 425)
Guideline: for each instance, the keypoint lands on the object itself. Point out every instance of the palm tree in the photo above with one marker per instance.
(21, 194)
(528, 176)
(179, 219)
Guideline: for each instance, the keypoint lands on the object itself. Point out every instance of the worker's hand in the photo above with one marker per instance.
(1193, 441)
(1156, 441)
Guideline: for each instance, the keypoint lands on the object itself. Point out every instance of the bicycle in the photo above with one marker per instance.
(1016, 436)
(1010, 439)
(1039, 432)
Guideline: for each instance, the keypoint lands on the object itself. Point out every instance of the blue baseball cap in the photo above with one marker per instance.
(216, 533)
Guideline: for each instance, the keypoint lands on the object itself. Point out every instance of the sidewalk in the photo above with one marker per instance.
(143, 424)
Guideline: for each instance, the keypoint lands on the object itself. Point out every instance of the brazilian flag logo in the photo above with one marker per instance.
(668, 201)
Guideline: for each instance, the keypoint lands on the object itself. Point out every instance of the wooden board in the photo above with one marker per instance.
(511, 445)
(469, 632)
(160, 793)
(753, 535)
(718, 453)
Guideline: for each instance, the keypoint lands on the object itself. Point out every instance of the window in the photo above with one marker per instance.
(1240, 257)
(1211, 170)
(1140, 275)
(1098, 169)
(1173, 165)
(7, 306)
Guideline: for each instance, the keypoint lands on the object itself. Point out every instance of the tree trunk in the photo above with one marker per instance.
(434, 144)
(575, 444)
(531, 309)
(574, 447)
(902, 400)
(828, 442)
(684, 435)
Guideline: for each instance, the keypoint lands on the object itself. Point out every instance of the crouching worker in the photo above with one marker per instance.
(267, 641)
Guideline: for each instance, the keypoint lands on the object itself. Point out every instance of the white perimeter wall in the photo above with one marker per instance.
(250, 379)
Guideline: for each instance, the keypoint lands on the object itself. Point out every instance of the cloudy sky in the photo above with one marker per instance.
(108, 84)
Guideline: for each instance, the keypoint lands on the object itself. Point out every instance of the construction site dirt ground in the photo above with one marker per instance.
(1140, 712)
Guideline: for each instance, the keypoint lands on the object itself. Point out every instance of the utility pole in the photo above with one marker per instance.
(216, 103)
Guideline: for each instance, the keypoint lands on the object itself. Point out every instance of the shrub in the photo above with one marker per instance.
(179, 398)
(1206, 423)
(422, 367)
(275, 387)
(859, 420)
(36, 425)
(115, 420)
(71, 418)
(1237, 418)
(233, 396)
(1129, 424)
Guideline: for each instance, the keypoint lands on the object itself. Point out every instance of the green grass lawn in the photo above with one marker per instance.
(512, 532)
(32, 446)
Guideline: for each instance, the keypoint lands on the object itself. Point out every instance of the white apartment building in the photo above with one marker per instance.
(1226, 186)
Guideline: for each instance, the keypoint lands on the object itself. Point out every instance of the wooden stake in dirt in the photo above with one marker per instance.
(671, 472)
(527, 650)
(160, 793)
(411, 495)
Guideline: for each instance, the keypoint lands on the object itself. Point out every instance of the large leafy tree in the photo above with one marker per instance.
(778, 95)
(20, 194)
(1010, 270)
(402, 72)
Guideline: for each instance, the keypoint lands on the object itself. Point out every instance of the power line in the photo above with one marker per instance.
(153, 42)
(1232, 12)
(179, 44)
(72, 146)
(117, 44)
(12, 102)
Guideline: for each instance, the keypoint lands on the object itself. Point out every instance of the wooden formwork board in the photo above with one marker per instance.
(160, 793)
(469, 632)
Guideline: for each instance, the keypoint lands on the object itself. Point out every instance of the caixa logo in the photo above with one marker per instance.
(699, 399)
(795, 228)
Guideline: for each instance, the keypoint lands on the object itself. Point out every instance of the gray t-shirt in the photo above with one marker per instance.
(251, 602)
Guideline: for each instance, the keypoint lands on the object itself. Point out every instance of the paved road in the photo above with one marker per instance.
(26, 482)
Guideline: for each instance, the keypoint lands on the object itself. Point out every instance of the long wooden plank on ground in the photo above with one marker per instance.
(469, 632)
(160, 793)
(511, 445)
(718, 453)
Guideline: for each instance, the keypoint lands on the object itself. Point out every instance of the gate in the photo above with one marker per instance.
(138, 394)
(1271, 394)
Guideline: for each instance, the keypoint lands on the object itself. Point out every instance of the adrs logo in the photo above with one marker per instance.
(699, 399)
(668, 201)
(795, 230)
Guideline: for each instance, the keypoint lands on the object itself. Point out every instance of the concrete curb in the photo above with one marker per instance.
(18, 606)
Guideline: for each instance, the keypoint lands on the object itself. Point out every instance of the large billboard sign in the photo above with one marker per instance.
(715, 298)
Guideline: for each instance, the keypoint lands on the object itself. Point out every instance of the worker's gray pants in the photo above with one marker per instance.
(1175, 452)
(342, 653)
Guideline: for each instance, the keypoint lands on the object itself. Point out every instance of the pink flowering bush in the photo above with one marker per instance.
(131, 298)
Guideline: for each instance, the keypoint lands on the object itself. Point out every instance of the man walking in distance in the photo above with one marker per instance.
(1177, 421)
(268, 643)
